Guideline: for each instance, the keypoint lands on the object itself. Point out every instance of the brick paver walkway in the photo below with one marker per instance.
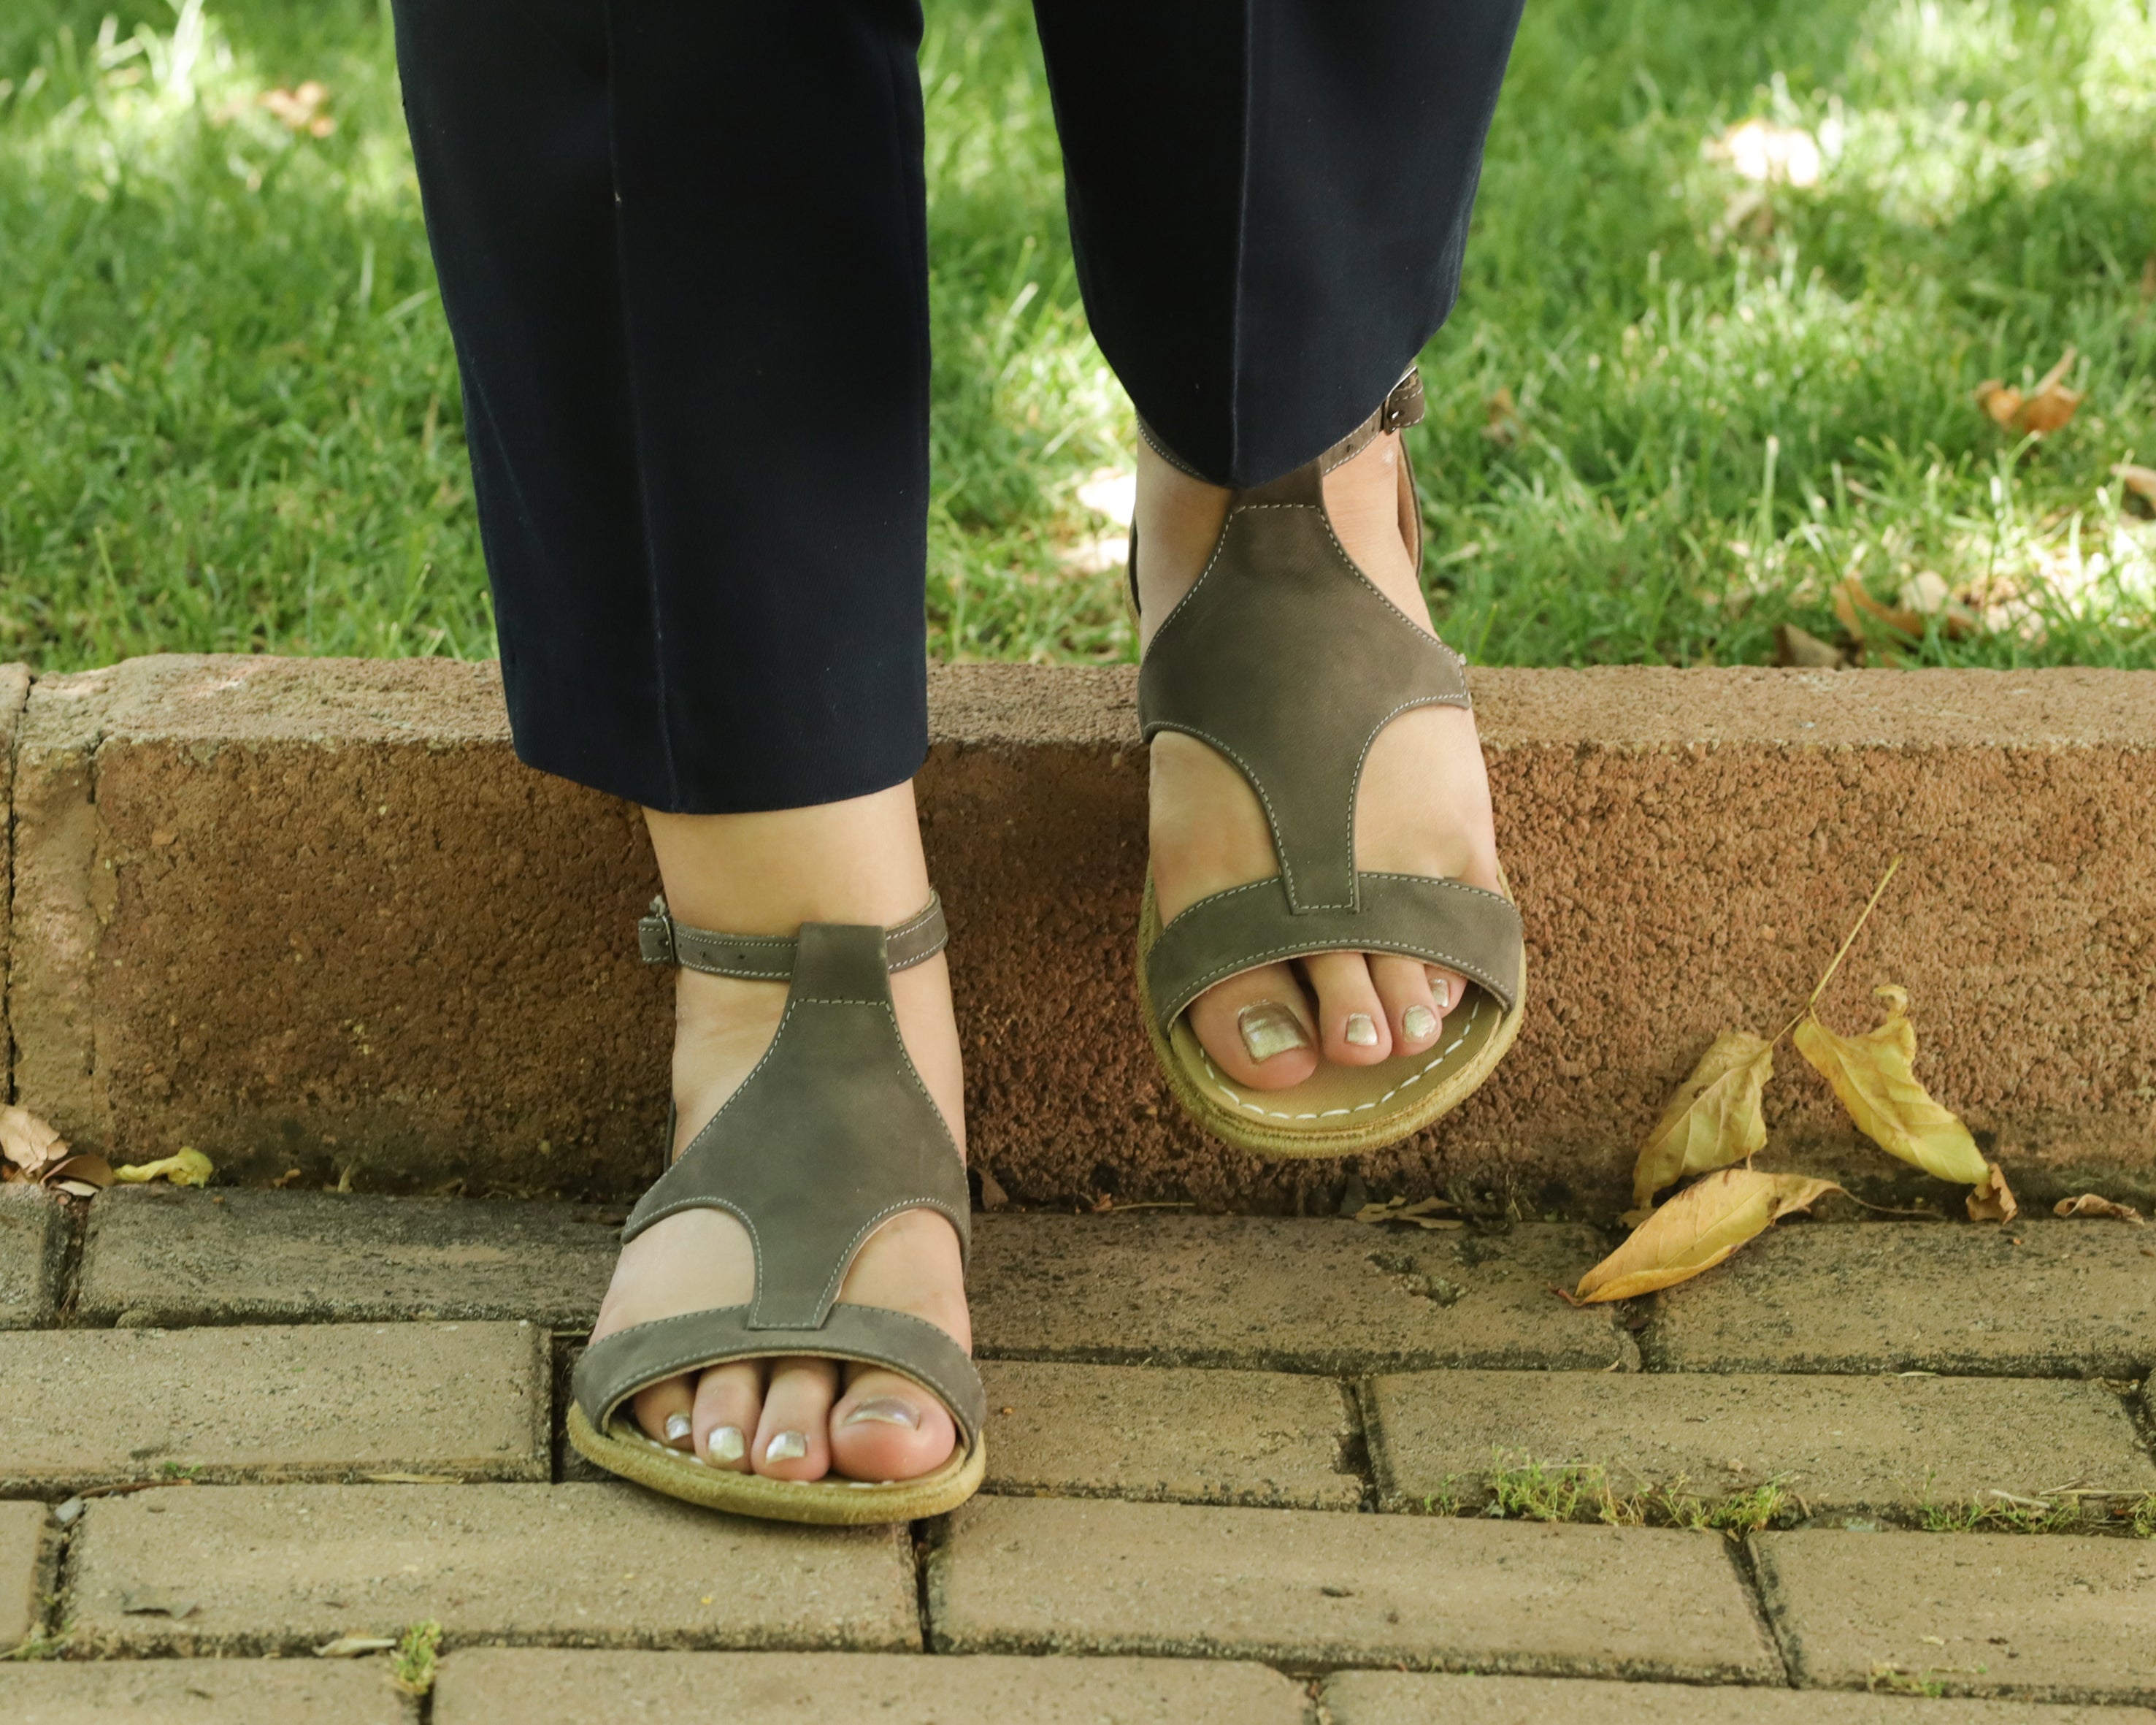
(1240, 1468)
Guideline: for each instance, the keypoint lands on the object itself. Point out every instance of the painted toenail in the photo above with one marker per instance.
(1361, 1032)
(1269, 1028)
(885, 1410)
(1417, 1022)
(787, 1446)
(1441, 992)
(728, 1444)
(678, 1427)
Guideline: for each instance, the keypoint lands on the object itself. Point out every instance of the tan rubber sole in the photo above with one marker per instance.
(828, 1503)
(1340, 1111)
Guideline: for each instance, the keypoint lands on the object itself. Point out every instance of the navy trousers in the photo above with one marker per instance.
(682, 251)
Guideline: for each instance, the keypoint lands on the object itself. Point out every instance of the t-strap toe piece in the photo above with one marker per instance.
(831, 1136)
(1285, 658)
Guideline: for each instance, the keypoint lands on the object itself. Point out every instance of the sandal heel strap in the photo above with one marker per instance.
(771, 958)
(1403, 406)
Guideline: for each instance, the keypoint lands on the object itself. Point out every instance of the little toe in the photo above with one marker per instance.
(1257, 1027)
(663, 1411)
(887, 1427)
(1447, 988)
(729, 1406)
(1411, 1008)
(1351, 1018)
(792, 1440)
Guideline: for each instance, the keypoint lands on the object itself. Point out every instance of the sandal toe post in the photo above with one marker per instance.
(1280, 590)
(831, 1136)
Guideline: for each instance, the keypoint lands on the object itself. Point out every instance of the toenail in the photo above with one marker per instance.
(678, 1427)
(1417, 1022)
(1270, 1028)
(728, 1444)
(884, 1410)
(787, 1446)
(1362, 1031)
(1441, 992)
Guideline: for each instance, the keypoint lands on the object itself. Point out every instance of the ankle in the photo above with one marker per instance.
(1176, 521)
(1363, 496)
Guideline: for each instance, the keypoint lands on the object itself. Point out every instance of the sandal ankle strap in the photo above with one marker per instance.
(770, 958)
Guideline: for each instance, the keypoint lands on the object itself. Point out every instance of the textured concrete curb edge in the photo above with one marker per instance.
(313, 914)
(14, 694)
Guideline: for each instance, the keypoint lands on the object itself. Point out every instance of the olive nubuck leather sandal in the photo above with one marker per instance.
(831, 1136)
(1285, 658)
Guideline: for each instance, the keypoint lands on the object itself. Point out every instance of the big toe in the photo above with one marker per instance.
(1257, 1027)
(887, 1427)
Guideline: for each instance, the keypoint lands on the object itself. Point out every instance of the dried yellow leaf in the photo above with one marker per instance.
(1874, 1076)
(1714, 1119)
(2090, 1204)
(189, 1168)
(1993, 1200)
(1696, 1229)
(27, 1142)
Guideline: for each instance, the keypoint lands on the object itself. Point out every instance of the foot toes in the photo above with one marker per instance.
(729, 1406)
(887, 1427)
(1411, 1008)
(792, 1440)
(1257, 1027)
(1448, 988)
(663, 1410)
(1351, 1018)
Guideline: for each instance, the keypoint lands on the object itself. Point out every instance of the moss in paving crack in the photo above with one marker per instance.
(2072, 1512)
(1892, 1680)
(1771, 1505)
(1530, 1491)
(1522, 1489)
(412, 1666)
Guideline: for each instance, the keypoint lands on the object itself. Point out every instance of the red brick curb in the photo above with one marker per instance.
(313, 913)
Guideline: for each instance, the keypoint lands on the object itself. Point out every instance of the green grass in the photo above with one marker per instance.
(1519, 1488)
(229, 419)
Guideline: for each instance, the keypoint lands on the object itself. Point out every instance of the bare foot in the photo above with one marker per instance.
(1423, 809)
(796, 1419)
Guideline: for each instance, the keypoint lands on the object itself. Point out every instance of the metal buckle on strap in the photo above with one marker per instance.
(1405, 406)
(655, 934)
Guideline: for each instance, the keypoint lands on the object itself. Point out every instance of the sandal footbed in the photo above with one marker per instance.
(1423, 1088)
(827, 1502)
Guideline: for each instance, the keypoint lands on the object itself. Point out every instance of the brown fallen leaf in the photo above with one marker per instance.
(27, 1144)
(1420, 1214)
(155, 1602)
(1501, 418)
(1794, 646)
(1873, 1075)
(1993, 1199)
(1852, 605)
(2088, 1203)
(1696, 1229)
(1715, 1118)
(188, 1167)
(351, 1646)
(2048, 407)
(86, 1170)
(2139, 481)
(300, 110)
(992, 1195)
